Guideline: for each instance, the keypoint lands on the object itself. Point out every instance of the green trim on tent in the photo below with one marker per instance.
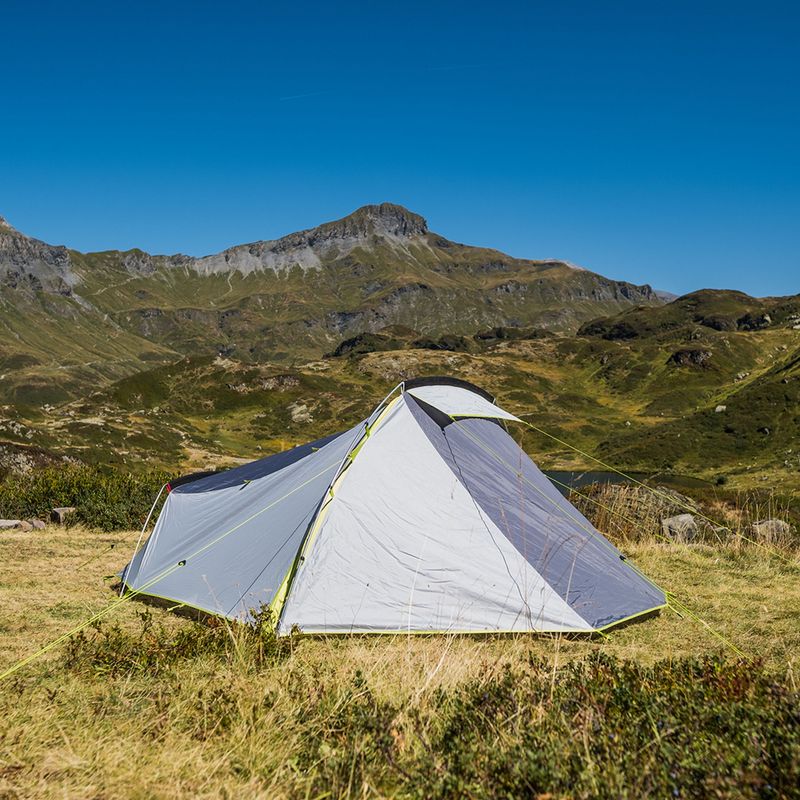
(316, 523)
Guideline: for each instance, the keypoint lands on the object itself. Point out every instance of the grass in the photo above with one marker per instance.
(622, 401)
(152, 705)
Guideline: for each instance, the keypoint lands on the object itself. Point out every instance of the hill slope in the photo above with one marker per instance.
(645, 403)
(72, 319)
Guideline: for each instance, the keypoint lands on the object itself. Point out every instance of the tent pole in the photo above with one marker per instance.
(141, 533)
(356, 441)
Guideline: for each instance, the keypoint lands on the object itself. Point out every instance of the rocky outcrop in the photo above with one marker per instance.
(690, 358)
(21, 525)
(29, 265)
(62, 514)
(389, 223)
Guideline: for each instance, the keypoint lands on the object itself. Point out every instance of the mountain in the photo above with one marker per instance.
(129, 358)
(72, 320)
(717, 372)
(704, 310)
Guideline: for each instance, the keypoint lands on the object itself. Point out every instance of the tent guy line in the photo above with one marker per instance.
(129, 595)
(655, 491)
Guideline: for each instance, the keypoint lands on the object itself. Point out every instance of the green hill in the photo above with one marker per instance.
(72, 320)
(131, 359)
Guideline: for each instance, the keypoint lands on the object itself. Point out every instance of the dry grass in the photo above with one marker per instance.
(631, 513)
(224, 728)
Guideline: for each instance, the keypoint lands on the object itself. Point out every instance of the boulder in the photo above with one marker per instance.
(59, 515)
(720, 409)
(681, 528)
(691, 358)
(770, 530)
(38, 524)
(15, 525)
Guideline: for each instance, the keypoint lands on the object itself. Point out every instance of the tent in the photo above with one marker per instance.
(425, 517)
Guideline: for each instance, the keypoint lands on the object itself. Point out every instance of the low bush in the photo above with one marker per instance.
(607, 728)
(110, 649)
(599, 727)
(105, 499)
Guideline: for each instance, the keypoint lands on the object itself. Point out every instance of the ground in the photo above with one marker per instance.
(124, 714)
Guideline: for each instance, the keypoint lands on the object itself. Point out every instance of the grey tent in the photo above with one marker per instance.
(425, 517)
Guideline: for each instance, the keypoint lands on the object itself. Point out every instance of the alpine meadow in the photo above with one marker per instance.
(400, 402)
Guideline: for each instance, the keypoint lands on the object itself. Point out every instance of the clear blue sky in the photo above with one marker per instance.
(652, 141)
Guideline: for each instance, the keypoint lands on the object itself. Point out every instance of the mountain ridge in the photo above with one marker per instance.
(384, 220)
(72, 318)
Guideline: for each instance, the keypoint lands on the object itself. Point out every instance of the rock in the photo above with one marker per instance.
(690, 358)
(770, 530)
(754, 322)
(681, 528)
(59, 515)
(38, 524)
(740, 376)
(300, 412)
(720, 409)
(15, 525)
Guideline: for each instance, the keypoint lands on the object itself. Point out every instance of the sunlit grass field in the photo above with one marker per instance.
(154, 705)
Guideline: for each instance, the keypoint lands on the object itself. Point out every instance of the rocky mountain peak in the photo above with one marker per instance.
(29, 265)
(5, 227)
(385, 218)
(309, 248)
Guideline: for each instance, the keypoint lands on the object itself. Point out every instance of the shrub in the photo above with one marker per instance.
(106, 499)
(110, 649)
(599, 728)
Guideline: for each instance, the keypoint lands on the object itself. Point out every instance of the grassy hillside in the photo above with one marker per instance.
(645, 403)
(72, 320)
(130, 359)
(148, 704)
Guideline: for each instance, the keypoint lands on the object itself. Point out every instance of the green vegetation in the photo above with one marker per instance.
(120, 374)
(148, 704)
(629, 402)
(105, 360)
(104, 499)
(599, 727)
(76, 320)
(714, 309)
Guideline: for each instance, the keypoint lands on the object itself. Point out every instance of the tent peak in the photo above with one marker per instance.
(443, 380)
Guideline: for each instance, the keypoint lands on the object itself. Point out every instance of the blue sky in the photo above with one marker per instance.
(655, 142)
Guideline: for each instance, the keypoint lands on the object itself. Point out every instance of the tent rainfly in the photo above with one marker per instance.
(425, 517)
